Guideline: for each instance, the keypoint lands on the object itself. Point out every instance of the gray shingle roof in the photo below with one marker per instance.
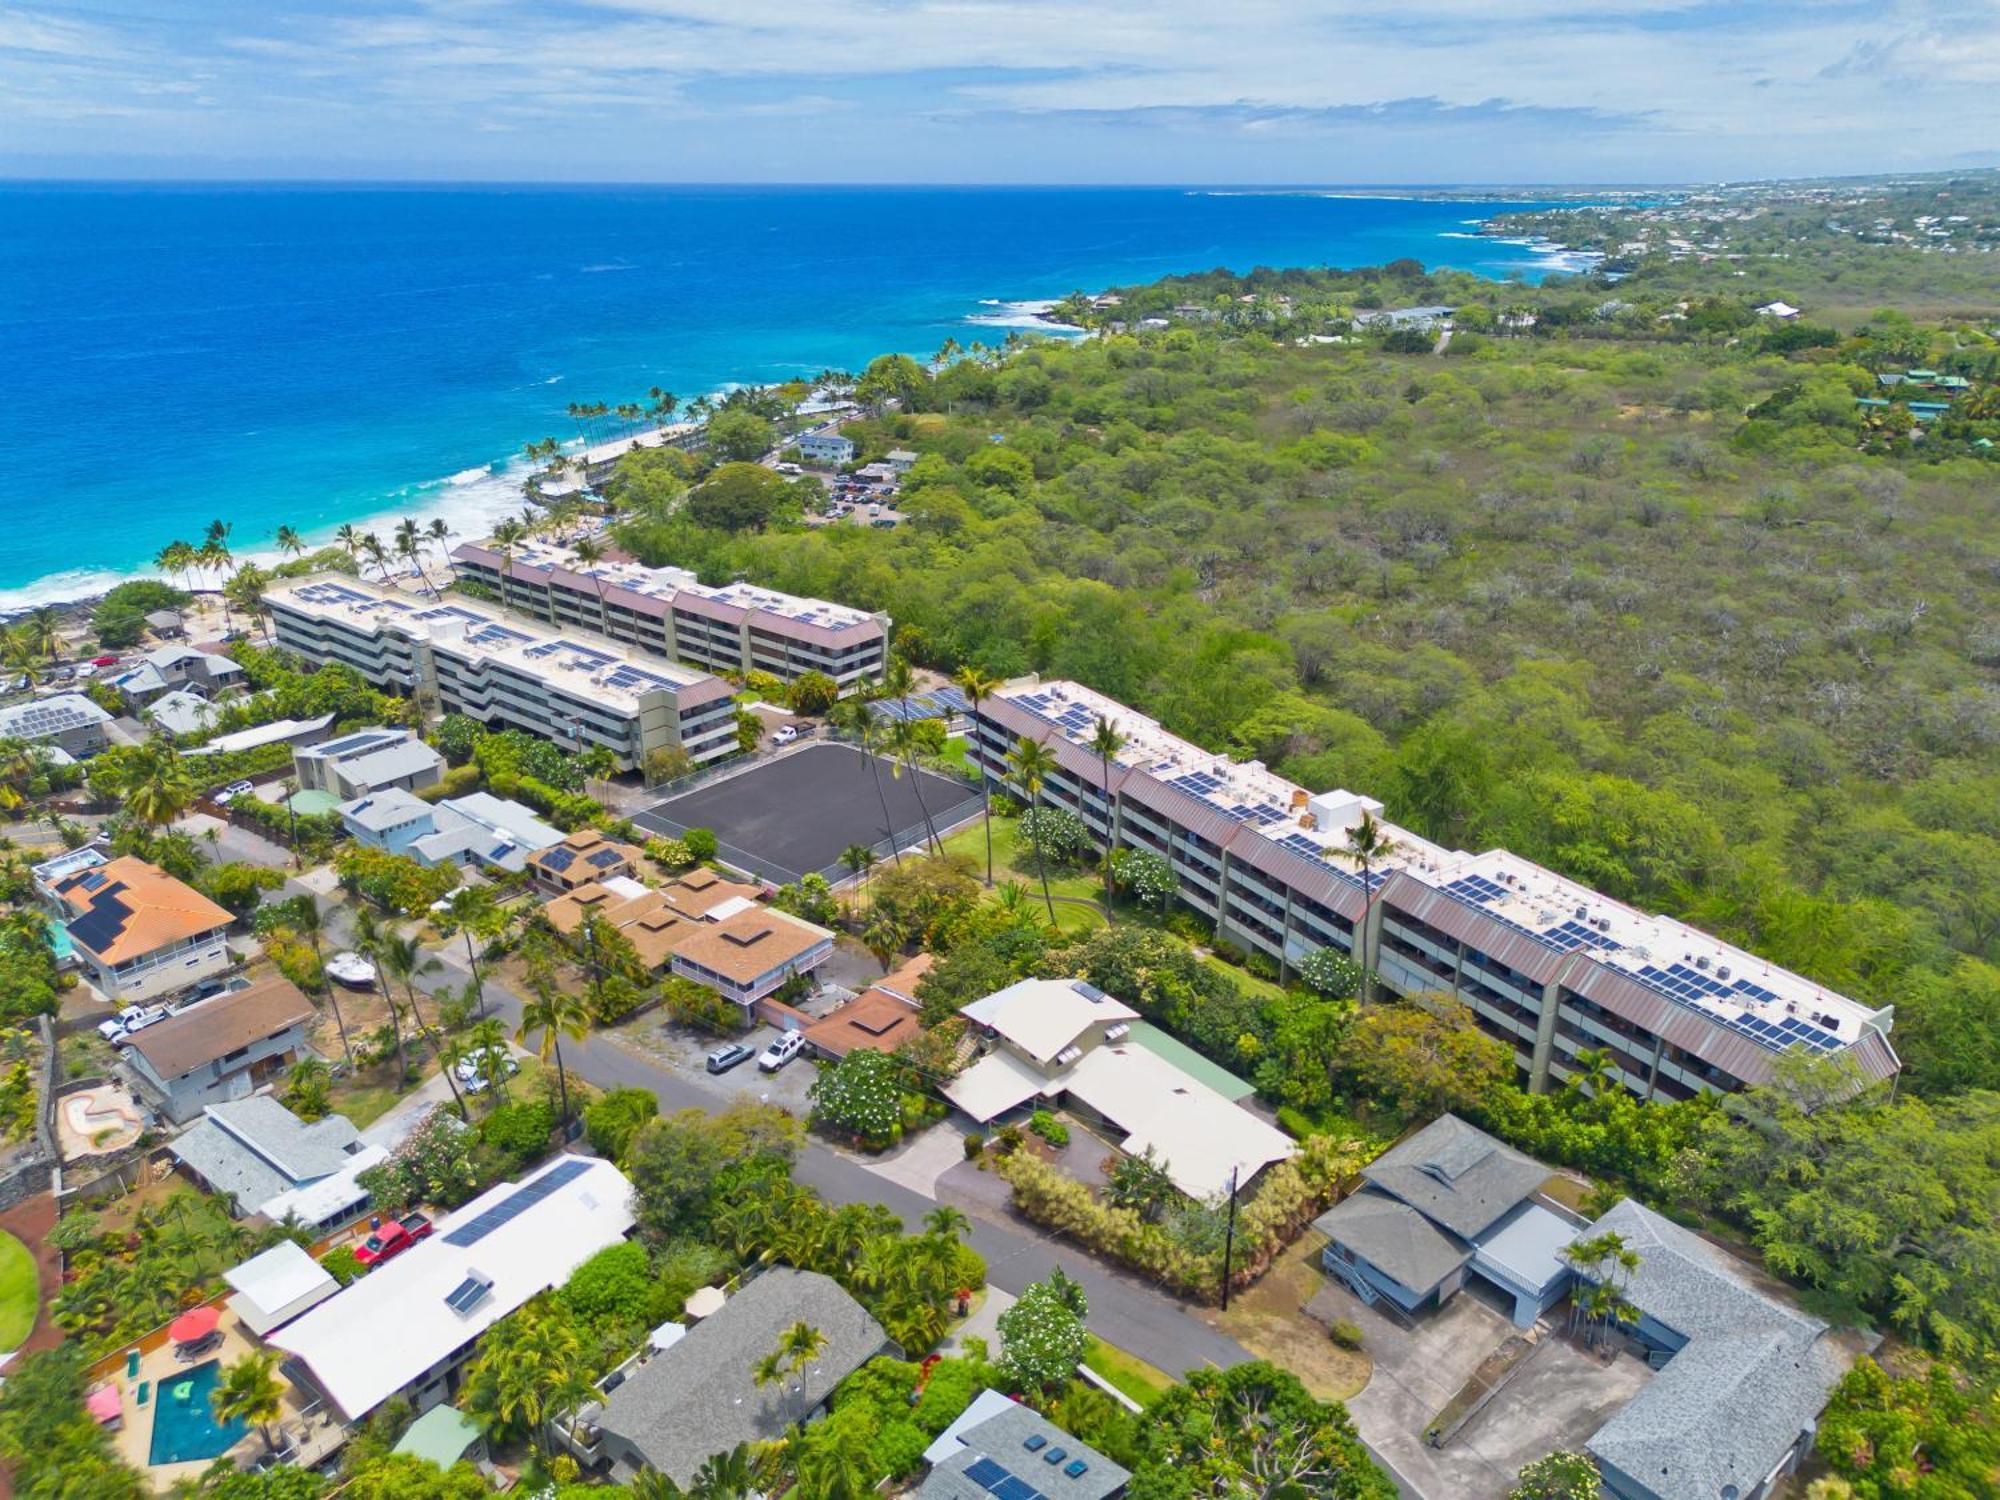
(1752, 1377)
(255, 1148)
(1457, 1175)
(1000, 1439)
(697, 1398)
(1393, 1237)
(390, 808)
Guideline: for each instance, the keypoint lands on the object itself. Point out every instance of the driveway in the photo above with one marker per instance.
(1124, 1310)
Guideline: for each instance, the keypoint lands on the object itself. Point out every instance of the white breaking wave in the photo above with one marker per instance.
(1023, 314)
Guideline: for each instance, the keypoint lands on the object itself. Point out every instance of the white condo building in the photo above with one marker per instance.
(575, 689)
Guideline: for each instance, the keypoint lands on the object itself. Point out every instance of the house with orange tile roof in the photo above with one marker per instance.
(140, 934)
(751, 953)
(879, 1019)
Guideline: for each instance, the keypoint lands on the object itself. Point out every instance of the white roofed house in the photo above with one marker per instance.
(410, 1325)
(1065, 1041)
(368, 760)
(475, 829)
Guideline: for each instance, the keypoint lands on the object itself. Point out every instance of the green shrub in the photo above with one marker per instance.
(1345, 1332)
(614, 1285)
(611, 1122)
(701, 843)
(1296, 1123)
(975, 1143)
(520, 1132)
(342, 1264)
(1049, 1128)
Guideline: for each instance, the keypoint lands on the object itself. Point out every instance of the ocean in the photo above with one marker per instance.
(284, 355)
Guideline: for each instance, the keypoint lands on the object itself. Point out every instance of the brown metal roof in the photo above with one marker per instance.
(750, 944)
(1182, 810)
(1309, 877)
(1699, 1035)
(210, 1031)
(1467, 923)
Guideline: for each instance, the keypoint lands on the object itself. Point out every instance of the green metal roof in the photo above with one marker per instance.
(1190, 1061)
(441, 1435)
(310, 800)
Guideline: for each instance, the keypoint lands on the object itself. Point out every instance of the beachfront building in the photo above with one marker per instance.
(669, 612)
(580, 691)
(408, 1327)
(828, 447)
(68, 722)
(368, 760)
(1547, 965)
(1066, 1041)
(225, 1048)
(139, 934)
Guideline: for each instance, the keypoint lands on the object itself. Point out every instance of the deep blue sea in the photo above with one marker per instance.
(307, 356)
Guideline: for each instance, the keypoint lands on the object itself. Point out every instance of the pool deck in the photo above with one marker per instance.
(313, 1437)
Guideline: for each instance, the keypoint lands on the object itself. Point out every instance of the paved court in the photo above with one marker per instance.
(793, 815)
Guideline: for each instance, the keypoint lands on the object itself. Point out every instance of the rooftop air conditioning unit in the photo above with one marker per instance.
(1702, 962)
(1582, 913)
(1723, 972)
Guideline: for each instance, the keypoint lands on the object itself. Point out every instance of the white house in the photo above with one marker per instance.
(825, 447)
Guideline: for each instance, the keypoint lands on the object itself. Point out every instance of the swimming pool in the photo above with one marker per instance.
(184, 1425)
(59, 940)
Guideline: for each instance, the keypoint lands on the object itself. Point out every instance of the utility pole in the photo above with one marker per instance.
(1229, 1238)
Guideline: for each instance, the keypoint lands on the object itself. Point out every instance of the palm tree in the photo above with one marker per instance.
(1367, 845)
(555, 1015)
(156, 784)
(409, 544)
(851, 715)
(946, 1222)
(403, 959)
(250, 1391)
(1605, 1264)
(663, 405)
(349, 536)
(1031, 762)
(978, 687)
(472, 911)
(860, 859)
(487, 1042)
(178, 557)
(590, 552)
(439, 533)
(214, 553)
(308, 922)
(290, 542)
(1593, 1072)
(377, 553)
(245, 589)
(798, 1346)
(18, 649)
(507, 535)
(903, 744)
(1105, 743)
(39, 631)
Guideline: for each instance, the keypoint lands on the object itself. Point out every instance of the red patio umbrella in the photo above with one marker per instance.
(196, 1323)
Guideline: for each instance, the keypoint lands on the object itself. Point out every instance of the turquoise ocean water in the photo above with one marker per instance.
(300, 356)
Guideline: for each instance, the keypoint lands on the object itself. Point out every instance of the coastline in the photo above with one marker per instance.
(471, 500)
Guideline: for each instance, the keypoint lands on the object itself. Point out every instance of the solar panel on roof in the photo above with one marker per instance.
(469, 1293)
(516, 1203)
(985, 1473)
(1011, 1488)
(1298, 843)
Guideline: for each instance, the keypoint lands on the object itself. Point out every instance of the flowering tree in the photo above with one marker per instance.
(1558, 1476)
(1331, 972)
(1056, 833)
(1041, 1335)
(861, 1096)
(433, 1165)
(1146, 875)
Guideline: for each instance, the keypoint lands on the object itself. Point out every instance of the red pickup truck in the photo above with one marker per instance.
(392, 1238)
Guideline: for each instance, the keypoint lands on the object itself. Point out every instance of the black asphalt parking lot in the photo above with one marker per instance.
(794, 815)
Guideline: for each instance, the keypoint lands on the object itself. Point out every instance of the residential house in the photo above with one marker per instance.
(1783, 311)
(183, 712)
(1447, 1203)
(166, 624)
(368, 760)
(276, 732)
(1066, 1041)
(751, 954)
(575, 689)
(139, 934)
(679, 1406)
(827, 447)
(582, 857)
(251, 1150)
(68, 722)
(879, 1019)
(408, 1327)
(1743, 1376)
(477, 829)
(901, 461)
(224, 1048)
(999, 1446)
(167, 668)
(653, 920)
(1544, 963)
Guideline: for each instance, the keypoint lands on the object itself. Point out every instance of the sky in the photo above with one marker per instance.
(998, 91)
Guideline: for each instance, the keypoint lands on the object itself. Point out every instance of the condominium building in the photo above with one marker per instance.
(668, 612)
(1547, 965)
(577, 690)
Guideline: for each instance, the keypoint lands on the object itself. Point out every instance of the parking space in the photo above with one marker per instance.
(686, 1051)
(794, 815)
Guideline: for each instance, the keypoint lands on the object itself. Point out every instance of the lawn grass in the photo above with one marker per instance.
(365, 1103)
(20, 1292)
(1265, 1318)
(1250, 984)
(1132, 1375)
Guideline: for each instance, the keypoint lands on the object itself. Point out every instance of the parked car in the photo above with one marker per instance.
(722, 1059)
(231, 792)
(785, 735)
(88, 669)
(132, 1018)
(471, 1073)
(104, 661)
(783, 1048)
(393, 1239)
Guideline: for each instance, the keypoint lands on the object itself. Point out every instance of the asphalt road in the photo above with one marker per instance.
(1124, 1311)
